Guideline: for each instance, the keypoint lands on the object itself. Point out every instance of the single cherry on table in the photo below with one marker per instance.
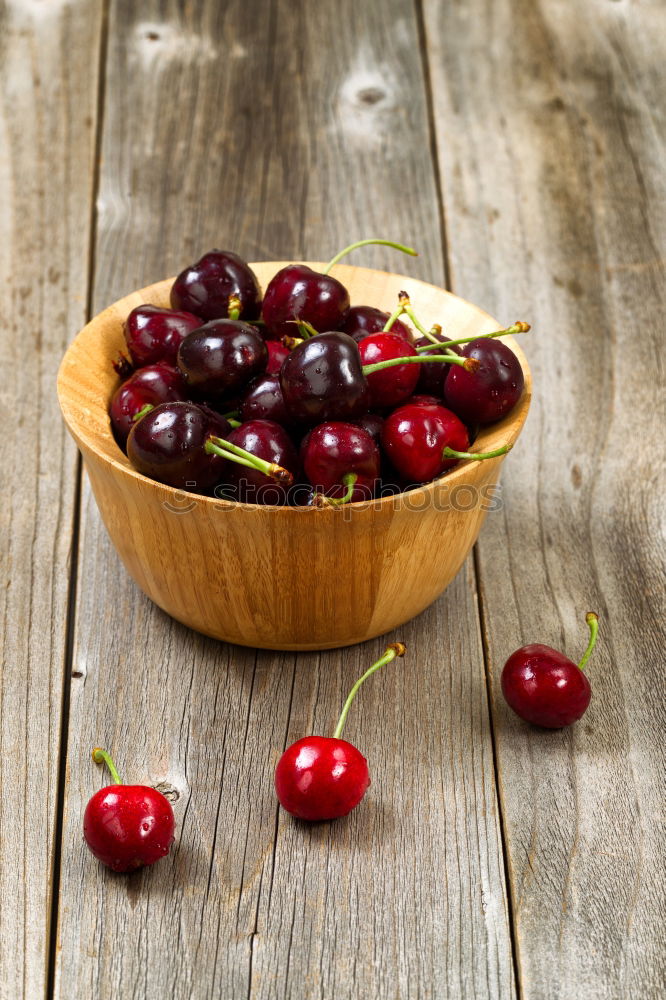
(325, 777)
(127, 826)
(545, 687)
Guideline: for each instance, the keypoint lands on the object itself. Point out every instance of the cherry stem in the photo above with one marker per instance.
(592, 621)
(101, 756)
(291, 342)
(392, 318)
(395, 649)
(225, 449)
(403, 298)
(235, 306)
(433, 335)
(142, 412)
(519, 327)
(305, 329)
(476, 455)
(365, 243)
(449, 359)
(349, 480)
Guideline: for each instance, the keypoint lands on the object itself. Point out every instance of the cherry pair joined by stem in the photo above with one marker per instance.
(189, 446)
(545, 687)
(152, 385)
(297, 292)
(422, 440)
(204, 288)
(342, 462)
(127, 826)
(321, 778)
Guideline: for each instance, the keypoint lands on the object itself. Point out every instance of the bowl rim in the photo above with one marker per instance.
(505, 431)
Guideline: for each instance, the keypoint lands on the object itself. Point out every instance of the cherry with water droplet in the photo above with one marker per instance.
(263, 400)
(361, 321)
(268, 441)
(323, 778)
(390, 386)
(153, 334)
(342, 461)
(221, 357)
(205, 287)
(545, 687)
(488, 394)
(127, 826)
(152, 385)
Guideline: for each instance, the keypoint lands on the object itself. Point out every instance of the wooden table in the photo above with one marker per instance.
(519, 145)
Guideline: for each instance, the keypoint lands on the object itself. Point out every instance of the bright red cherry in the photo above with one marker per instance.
(545, 687)
(155, 384)
(422, 441)
(486, 395)
(342, 462)
(204, 288)
(392, 385)
(153, 334)
(321, 777)
(361, 321)
(127, 826)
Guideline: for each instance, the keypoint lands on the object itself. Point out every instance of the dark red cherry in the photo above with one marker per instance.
(298, 292)
(414, 438)
(277, 352)
(270, 442)
(486, 395)
(422, 399)
(393, 385)
(322, 379)
(431, 377)
(263, 400)
(168, 445)
(127, 826)
(155, 384)
(545, 687)
(205, 287)
(342, 461)
(361, 321)
(318, 777)
(221, 357)
(372, 423)
(153, 334)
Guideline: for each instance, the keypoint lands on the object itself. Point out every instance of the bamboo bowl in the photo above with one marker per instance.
(284, 578)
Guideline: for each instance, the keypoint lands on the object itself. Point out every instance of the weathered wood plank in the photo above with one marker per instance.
(550, 127)
(48, 77)
(223, 126)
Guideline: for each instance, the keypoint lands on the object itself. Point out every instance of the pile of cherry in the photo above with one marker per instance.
(301, 398)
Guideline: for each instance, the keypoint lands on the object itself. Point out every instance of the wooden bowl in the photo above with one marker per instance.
(284, 578)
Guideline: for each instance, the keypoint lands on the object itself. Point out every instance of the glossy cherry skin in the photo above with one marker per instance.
(393, 385)
(271, 442)
(298, 292)
(205, 287)
(488, 394)
(221, 357)
(153, 334)
(431, 377)
(414, 437)
(155, 384)
(263, 400)
(335, 449)
(545, 687)
(372, 423)
(128, 826)
(361, 321)
(168, 445)
(321, 777)
(322, 379)
(277, 352)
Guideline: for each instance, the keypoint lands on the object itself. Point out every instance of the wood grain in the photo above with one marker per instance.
(235, 571)
(47, 108)
(550, 127)
(223, 126)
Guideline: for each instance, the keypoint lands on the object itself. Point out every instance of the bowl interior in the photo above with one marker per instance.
(86, 379)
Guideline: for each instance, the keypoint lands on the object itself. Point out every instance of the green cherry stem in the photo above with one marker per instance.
(519, 327)
(305, 329)
(475, 456)
(349, 480)
(396, 314)
(225, 449)
(592, 621)
(101, 756)
(142, 412)
(403, 298)
(365, 243)
(395, 649)
(235, 306)
(448, 359)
